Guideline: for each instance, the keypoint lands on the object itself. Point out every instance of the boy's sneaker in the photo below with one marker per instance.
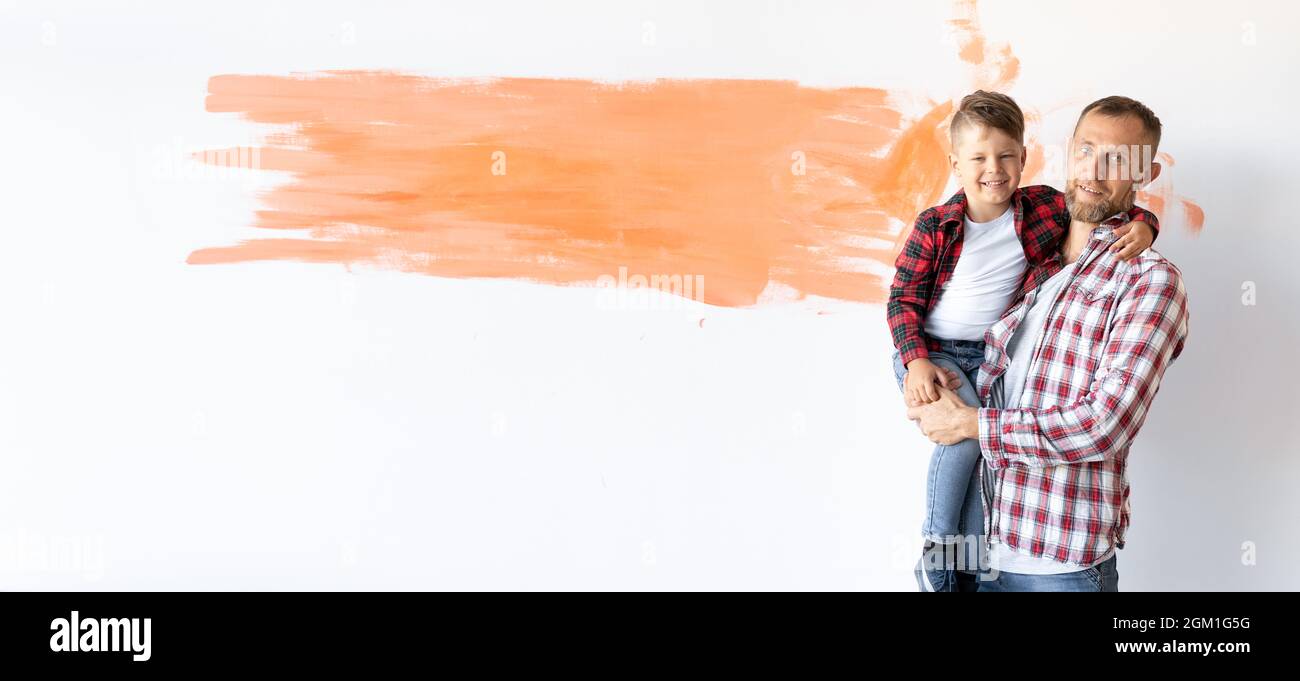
(933, 571)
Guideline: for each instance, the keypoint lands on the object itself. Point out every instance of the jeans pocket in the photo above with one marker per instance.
(1093, 575)
(970, 359)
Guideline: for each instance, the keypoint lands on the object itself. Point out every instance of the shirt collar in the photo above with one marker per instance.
(1106, 230)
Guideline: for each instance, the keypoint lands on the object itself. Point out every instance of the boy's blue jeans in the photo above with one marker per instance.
(953, 499)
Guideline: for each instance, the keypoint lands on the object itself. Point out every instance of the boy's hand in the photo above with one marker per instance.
(919, 385)
(1134, 237)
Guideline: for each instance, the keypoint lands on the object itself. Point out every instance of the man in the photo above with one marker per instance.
(1069, 374)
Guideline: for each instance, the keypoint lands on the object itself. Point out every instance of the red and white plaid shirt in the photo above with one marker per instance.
(1056, 467)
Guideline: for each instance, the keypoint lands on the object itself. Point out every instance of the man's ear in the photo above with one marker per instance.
(1155, 172)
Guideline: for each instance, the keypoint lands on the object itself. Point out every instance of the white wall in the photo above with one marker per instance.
(276, 425)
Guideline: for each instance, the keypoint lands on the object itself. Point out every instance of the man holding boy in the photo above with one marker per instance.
(1069, 375)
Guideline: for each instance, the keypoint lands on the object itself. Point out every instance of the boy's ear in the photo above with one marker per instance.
(1024, 155)
(952, 162)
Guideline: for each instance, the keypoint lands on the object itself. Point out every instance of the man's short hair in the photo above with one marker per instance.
(991, 110)
(1116, 106)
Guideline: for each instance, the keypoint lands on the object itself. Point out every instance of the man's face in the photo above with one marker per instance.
(1110, 159)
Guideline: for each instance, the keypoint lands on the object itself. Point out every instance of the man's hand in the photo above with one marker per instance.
(923, 379)
(947, 420)
(1134, 237)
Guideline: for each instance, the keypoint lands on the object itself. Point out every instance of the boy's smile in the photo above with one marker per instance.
(996, 187)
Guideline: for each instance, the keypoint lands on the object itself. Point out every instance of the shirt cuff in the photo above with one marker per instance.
(990, 421)
(917, 351)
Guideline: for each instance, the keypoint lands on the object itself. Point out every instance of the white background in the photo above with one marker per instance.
(287, 426)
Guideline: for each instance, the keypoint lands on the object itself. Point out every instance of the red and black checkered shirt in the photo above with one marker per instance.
(930, 255)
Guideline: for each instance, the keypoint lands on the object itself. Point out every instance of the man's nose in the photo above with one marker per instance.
(1103, 167)
(1087, 171)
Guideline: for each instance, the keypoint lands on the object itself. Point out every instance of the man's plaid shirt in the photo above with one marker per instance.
(928, 258)
(1055, 474)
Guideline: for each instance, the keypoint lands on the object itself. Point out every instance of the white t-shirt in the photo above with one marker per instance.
(984, 282)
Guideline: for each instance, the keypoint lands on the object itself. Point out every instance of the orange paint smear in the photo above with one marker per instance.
(1159, 197)
(996, 73)
(743, 182)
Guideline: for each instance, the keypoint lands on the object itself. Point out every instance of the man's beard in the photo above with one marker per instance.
(1094, 212)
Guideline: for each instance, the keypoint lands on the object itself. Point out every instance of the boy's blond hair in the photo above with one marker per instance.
(991, 110)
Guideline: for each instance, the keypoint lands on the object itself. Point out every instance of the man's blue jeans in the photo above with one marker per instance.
(1102, 577)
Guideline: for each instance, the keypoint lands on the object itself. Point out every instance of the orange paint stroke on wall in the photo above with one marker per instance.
(562, 181)
(745, 183)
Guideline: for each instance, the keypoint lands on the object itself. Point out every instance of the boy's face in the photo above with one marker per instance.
(987, 163)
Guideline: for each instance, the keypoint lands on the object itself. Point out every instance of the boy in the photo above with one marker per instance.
(963, 265)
